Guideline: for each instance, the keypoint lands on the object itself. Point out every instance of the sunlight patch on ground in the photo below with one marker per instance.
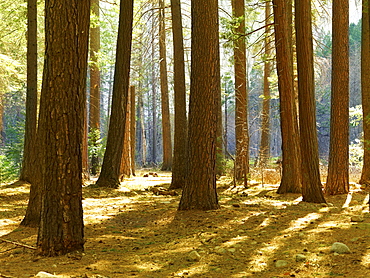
(302, 222)
(366, 259)
(259, 260)
(348, 200)
(236, 240)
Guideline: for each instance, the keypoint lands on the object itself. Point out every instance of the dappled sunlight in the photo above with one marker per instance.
(130, 231)
(348, 200)
(259, 261)
(365, 261)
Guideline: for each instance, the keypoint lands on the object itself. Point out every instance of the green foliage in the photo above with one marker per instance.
(8, 171)
(228, 27)
(355, 115)
(228, 167)
(12, 150)
(355, 35)
(324, 46)
(96, 147)
(356, 153)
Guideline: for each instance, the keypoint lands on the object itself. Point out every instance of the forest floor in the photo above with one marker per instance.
(134, 231)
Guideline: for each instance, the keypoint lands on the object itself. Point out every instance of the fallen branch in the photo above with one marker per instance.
(17, 244)
(4, 276)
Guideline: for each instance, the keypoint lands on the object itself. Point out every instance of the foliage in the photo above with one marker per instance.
(324, 45)
(8, 171)
(14, 120)
(96, 145)
(355, 115)
(356, 153)
(355, 35)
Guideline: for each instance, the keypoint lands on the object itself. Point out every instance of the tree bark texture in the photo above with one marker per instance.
(154, 93)
(264, 152)
(31, 98)
(365, 90)
(140, 132)
(291, 176)
(94, 108)
(311, 183)
(179, 167)
(200, 190)
(133, 128)
(338, 169)
(64, 87)
(241, 105)
(110, 173)
(166, 123)
(126, 162)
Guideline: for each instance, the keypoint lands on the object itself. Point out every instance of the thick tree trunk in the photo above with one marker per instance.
(166, 125)
(179, 167)
(61, 127)
(311, 183)
(291, 176)
(241, 105)
(338, 169)
(110, 173)
(365, 90)
(200, 189)
(31, 100)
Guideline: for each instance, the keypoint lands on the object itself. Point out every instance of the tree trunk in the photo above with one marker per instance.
(94, 116)
(241, 111)
(126, 154)
(166, 126)
(141, 138)
(154, 95)
(61, 127)
(311, 183)
(291, 176)
(200, 189)
(133, 129)
(264, 152)
(365, 90)
(31, 100)
(179, 167)
(338, 175)
(110, 173)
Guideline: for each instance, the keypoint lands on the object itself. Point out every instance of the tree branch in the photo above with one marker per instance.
(17, 244)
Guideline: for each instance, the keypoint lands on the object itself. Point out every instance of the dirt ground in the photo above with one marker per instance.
(134, 231)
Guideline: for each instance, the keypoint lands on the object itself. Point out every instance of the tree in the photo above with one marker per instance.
(94, 116)
(64, 87)
(127, 157)
(31, 101)
(110, 173)
(311, 183)
(140, 131)
(179, 167)
(365, 90)
(291, 176)
(166, 126)
(241, 106)
(264, 152)
(132, 128)
(200, 188)
(338, 175)
(154, 93)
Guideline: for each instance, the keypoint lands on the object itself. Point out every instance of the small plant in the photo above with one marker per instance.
(96, 150)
